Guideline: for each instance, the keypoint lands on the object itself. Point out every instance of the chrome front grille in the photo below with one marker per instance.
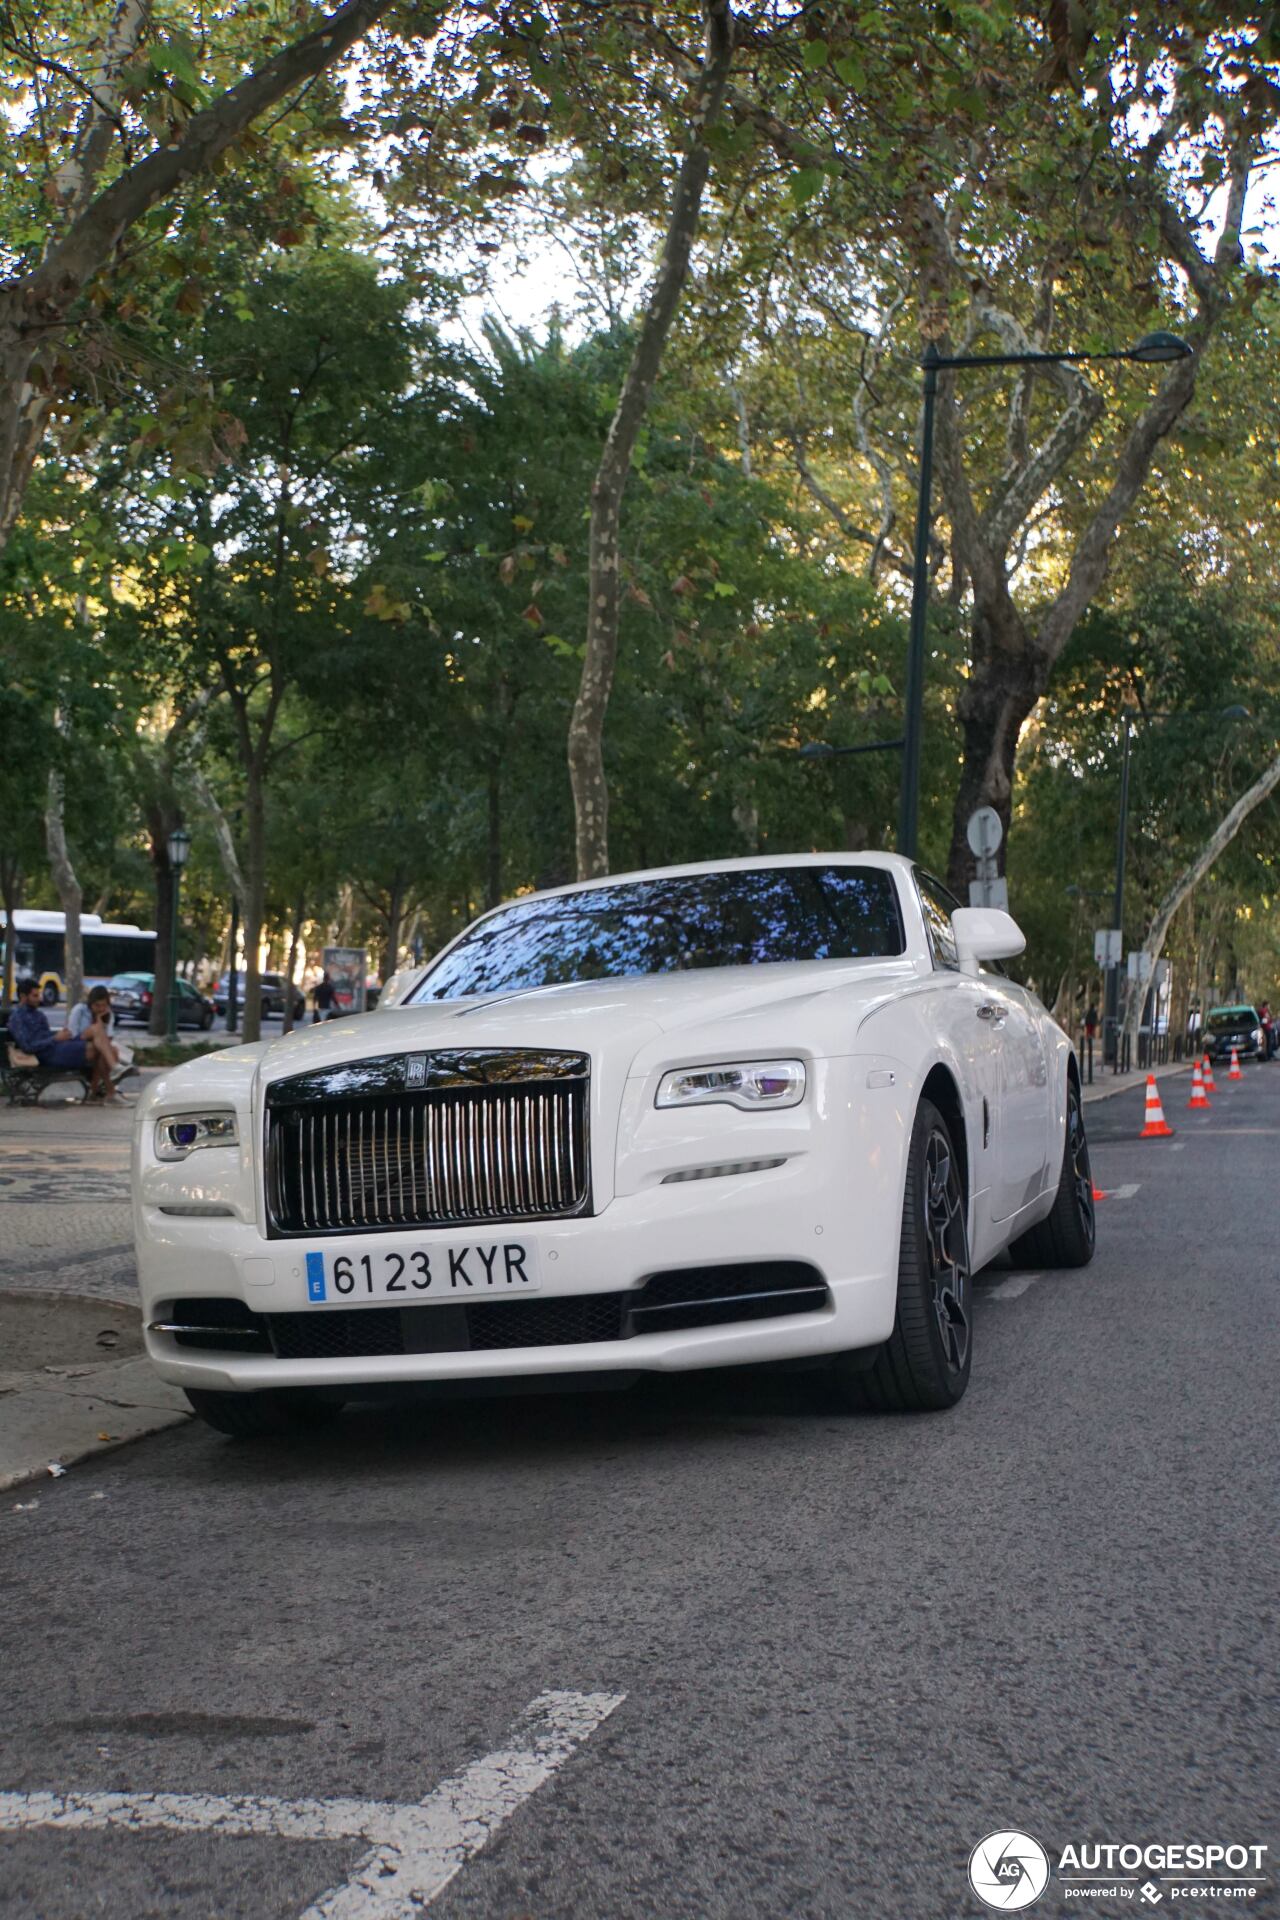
(428, 1140)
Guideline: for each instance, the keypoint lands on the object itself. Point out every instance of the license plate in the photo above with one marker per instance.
(466, 1270)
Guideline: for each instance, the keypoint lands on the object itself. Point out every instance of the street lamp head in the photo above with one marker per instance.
(1155, 348)
(815, 750)
(1236, 713)
(179, 847)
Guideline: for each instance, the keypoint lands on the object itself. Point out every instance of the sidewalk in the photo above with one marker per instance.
(1106, 1083)
(76, 1383)
(73, 1378)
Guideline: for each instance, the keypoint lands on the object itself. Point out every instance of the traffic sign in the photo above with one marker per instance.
(1108, 945)
(991, 891)
(984, 832)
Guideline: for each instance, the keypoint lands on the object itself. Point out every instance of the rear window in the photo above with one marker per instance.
(757, 917)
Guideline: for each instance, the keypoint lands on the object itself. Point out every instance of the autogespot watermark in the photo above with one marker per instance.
(1009, 1870)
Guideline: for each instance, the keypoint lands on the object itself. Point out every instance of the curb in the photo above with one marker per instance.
(1100, 1091)
(60, 1416)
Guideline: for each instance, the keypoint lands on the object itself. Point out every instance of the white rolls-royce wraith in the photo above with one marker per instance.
(752, 1111)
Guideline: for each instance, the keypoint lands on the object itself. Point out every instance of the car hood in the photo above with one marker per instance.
(595, 1017)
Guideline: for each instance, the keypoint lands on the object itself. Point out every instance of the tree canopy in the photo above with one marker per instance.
(397, 599)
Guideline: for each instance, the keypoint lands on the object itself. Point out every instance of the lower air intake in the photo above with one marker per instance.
(667, 1302)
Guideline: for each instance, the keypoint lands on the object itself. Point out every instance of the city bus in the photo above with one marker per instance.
(41, 950)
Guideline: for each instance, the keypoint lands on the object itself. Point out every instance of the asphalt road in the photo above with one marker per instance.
(849, 1647)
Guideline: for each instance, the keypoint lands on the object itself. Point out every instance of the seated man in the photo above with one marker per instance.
(30, 1031)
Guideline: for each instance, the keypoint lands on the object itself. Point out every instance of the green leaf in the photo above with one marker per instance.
(814, 54)
(803, 185)
(851, 71)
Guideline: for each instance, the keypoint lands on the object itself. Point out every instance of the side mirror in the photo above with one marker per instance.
(985, 933)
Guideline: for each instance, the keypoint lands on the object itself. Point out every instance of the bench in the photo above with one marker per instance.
(23, 1079)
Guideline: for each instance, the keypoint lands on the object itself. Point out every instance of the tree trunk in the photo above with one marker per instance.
(255, 899)
(1190, 877)
(160, 822)
(164, 881)
(64, 879)
(493, 878)
(395, 914)
(291, 970)
(996, 699)
(586, 728)
(11, 893)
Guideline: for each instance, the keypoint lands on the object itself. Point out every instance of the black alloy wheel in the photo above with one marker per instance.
(1066, 1237)
(950, 1282)
(923, 1366)
(1077, 1158)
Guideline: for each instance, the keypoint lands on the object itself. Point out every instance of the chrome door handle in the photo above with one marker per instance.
(990, 1011)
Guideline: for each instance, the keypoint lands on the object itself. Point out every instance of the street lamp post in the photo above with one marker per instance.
(1152, 349)
(1111, 1006)
(179, 849)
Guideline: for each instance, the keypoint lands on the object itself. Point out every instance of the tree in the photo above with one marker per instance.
(999, 180)
(1191, 876)
(258, 588)
(137, 88)
(586, 728)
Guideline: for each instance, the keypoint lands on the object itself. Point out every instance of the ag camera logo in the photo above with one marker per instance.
(1008, 1870)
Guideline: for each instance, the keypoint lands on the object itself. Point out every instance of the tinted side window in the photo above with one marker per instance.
(938, 905)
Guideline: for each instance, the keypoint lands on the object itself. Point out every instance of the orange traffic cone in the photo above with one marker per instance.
(1208, 1075)
(1199, 1098)
(1157, 1127)
(1235, 1073)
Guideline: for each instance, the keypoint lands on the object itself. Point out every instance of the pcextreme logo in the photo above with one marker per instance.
(1009, 1870)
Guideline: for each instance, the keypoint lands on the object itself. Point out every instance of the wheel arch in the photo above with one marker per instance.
(940, 1086)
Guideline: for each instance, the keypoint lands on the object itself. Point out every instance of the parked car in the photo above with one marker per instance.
(274, 988)
(763, 1110)
(132, 995)
(1238, 1027)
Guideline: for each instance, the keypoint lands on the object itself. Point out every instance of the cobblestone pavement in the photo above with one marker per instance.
(64, 1201)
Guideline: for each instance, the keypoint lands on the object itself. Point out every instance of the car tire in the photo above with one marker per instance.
(49, 994)
(923, 1367)
(246, 1416)
(206, 1019)
(1066, 1237)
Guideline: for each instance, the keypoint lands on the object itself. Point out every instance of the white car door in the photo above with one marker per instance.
(1023, 1122)
(974, 1025)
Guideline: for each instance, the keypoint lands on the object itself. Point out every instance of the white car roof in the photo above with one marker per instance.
(894, 862)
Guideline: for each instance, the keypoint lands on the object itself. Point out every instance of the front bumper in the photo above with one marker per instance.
(835, 1206)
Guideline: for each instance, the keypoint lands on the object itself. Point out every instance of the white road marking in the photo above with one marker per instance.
(1010, 1289)
(416, 1850)
(1122, 1193)
(235, 1815)
(402, 1876)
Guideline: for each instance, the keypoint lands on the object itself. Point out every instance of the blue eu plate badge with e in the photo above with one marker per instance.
(315, 1276)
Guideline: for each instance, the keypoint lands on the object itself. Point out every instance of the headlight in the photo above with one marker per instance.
(179, 1134)
(753, 1085)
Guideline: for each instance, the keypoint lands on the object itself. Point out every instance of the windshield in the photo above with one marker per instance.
(1230, 1017)
(748, 918)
